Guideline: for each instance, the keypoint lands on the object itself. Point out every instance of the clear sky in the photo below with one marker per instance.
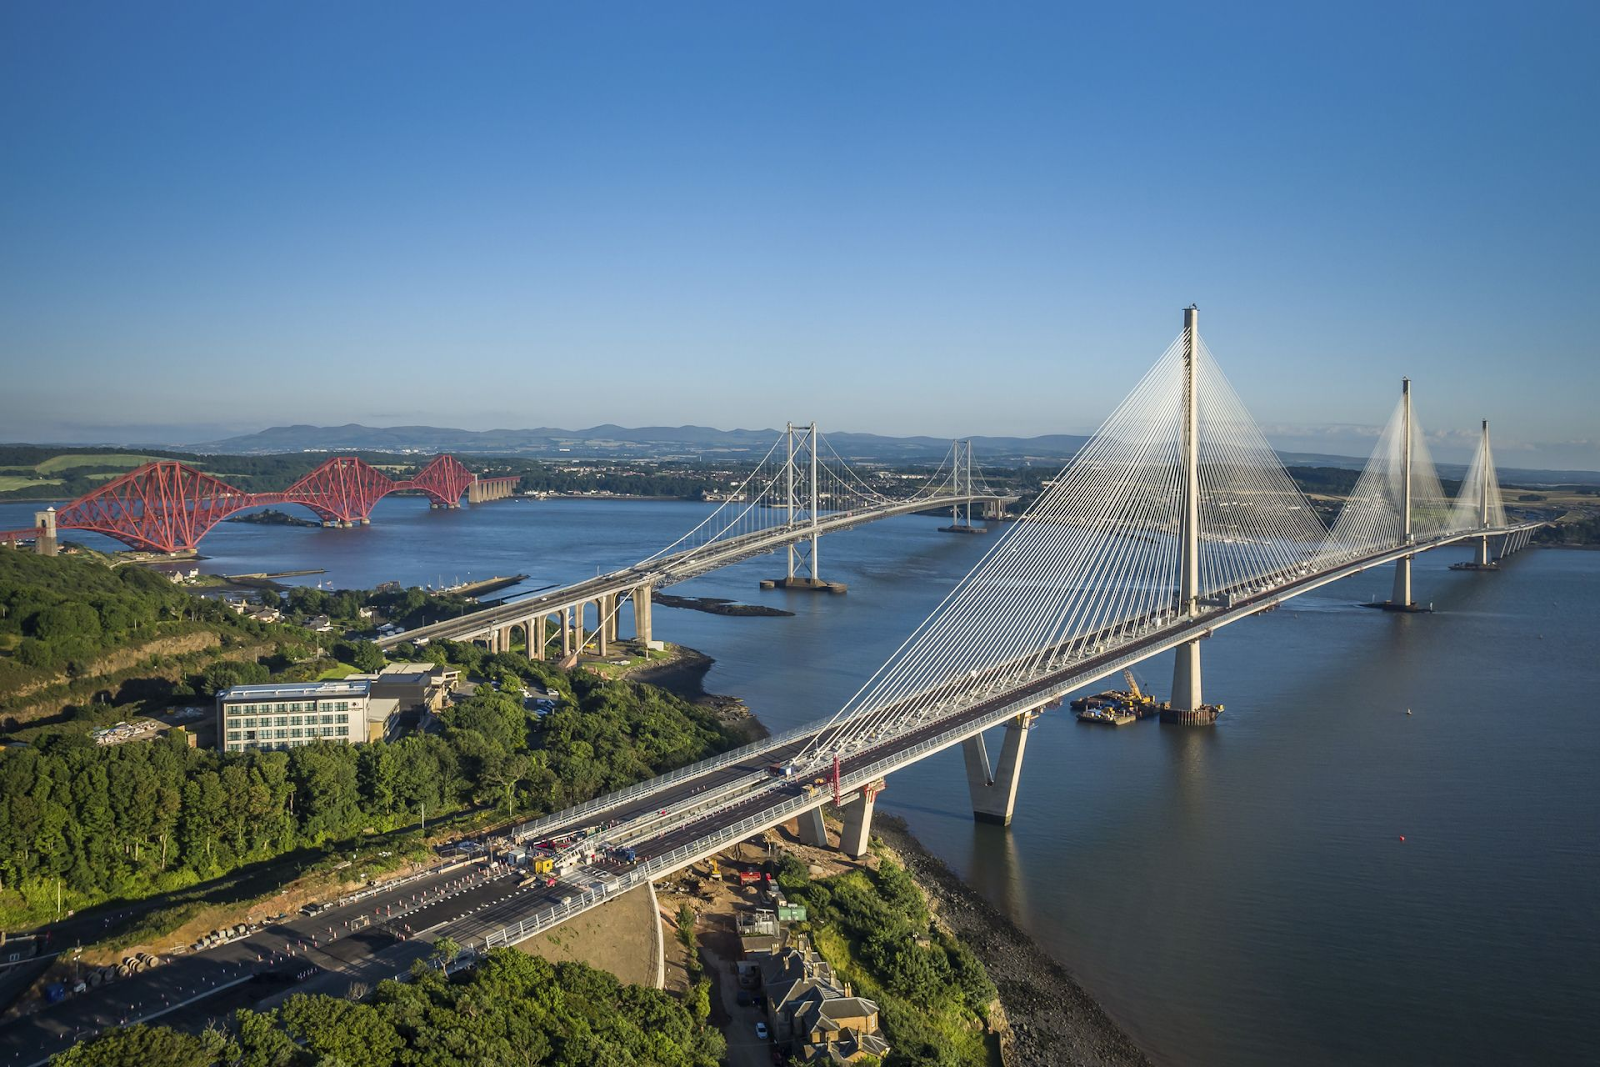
(903, 218)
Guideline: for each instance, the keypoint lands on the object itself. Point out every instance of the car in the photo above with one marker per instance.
(761, 1031)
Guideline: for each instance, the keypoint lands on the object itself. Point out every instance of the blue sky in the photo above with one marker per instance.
(902, 218)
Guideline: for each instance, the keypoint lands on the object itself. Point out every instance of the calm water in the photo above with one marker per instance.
(1237, 895)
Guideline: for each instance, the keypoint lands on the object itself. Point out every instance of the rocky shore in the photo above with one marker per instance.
(1050, 1021)
(684, 676)
(1053, 1021)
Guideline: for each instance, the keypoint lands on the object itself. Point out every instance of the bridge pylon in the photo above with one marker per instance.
(803, 509)
(961, 480)
(1188, 708)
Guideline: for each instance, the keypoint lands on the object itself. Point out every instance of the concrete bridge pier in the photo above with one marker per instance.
(812, 830)
(1482, 557)
(602, 625)
(641, 614)
(857, 831)
(44, 532)
(994, 795)
(1401, 596)
(566, 632)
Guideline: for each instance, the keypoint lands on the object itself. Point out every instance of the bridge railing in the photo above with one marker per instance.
(729, 835)
(611, 800)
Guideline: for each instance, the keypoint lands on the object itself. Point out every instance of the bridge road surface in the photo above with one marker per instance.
(195, 988)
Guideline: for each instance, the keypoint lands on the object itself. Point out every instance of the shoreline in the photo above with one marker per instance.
(1050, 1020)
(1053, 1020)
(684, 676)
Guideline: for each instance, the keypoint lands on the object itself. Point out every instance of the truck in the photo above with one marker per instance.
(749, 877)
(783, 770)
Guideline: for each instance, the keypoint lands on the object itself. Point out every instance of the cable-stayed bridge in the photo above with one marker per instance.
(800, 491)
(1173, 522)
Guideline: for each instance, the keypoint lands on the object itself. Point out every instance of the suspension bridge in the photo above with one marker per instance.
(800, 491)
(1174, 521)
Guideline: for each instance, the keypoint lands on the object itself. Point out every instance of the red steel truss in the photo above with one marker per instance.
(167, 506)
(444, 479)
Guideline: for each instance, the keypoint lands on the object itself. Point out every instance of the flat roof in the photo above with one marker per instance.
(289, 690)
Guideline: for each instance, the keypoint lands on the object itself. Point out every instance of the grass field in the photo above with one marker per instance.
(9, 482)
(57, 464)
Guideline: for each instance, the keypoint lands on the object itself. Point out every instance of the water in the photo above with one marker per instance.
(1237, 895)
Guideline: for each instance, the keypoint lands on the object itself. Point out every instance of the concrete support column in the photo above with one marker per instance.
(858, 821)
(812, 830)
(578, 623)
(602, 625)
(1482, 558)
(994, 796)
(536, 638)
(1401, 595)
(1186, 678)
(641, 614)
(566, 631)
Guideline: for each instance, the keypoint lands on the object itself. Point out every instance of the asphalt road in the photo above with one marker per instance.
(366, 941)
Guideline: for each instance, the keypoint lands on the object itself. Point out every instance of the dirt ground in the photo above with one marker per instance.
(619, 936)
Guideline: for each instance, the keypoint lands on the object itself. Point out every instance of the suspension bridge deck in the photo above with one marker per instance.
(683, 817)
(678, 567)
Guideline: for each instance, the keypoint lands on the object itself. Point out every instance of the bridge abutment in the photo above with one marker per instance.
(994, 795)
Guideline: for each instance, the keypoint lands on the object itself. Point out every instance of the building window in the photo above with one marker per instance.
(294, 720)
(234, 735)
(343, 719)
(281, 720)
(327, 720)
(280, 733)
(295, 732)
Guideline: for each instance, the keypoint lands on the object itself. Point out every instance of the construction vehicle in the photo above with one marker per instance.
(1136, 697)
(715, 873)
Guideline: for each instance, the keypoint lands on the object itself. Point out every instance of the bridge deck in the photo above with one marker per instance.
(669, 570)
(700, 810)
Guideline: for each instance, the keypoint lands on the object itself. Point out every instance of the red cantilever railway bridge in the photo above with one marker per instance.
(167, 506)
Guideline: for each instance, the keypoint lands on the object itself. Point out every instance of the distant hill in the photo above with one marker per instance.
(620, 441)
(691, 442)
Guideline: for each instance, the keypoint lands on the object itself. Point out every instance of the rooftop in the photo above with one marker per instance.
(291, 690)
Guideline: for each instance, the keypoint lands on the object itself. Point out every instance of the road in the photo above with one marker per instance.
(366, 941)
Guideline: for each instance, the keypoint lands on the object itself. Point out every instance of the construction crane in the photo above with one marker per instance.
(1134, 692)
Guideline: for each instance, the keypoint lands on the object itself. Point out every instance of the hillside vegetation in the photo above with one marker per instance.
(511, 1009)
(874, 927)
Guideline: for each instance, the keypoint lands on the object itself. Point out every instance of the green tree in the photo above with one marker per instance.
(147, 1046)
(445, 950)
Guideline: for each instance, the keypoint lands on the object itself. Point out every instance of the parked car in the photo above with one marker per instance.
(761, 1031)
